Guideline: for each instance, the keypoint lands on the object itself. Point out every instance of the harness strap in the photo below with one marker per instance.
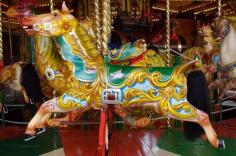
(227, 68)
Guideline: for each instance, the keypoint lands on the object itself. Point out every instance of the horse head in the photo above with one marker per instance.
(209, 41)
(55, 23)
(205, 30)
(222, 26)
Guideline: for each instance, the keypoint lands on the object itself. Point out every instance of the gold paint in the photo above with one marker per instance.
(91, 92)
(137, 97)
(151, 59)
(177, 78)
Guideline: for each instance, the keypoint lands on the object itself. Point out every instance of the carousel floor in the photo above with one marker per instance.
(136, 142)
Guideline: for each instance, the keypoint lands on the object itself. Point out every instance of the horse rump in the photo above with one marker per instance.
(197, 95)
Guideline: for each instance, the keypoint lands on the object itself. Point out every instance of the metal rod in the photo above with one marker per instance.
(1, 48)
(219, 8)
(51, 5)
(97, 25)
(10, 39)
(168, 33)
(105, 25)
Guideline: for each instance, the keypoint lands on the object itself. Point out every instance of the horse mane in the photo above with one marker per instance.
(232, 20)
(87, 43)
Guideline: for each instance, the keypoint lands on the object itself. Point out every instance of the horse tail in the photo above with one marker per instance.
(197, 95)
(31, 83)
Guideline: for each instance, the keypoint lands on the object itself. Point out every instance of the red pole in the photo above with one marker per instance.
(102, 132)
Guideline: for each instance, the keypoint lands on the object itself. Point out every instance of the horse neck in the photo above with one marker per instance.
(46, 53)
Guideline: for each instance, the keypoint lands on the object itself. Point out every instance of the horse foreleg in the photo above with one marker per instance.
(71, 116)
(23, 92)
(44, 120)
(38, 120)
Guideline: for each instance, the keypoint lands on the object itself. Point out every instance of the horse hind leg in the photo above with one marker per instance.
(124, 115)
(67, 102)
(204, 122)
(200, 118)
(70, 117)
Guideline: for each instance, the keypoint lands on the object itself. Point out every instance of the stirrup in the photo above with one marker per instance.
(29, 137)
(221, 144)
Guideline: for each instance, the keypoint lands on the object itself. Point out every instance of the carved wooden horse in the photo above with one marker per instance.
(90, 81)
(46, 56)
(225, 29)
(20, 77)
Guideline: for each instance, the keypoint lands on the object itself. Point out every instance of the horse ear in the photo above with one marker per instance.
(64, 8)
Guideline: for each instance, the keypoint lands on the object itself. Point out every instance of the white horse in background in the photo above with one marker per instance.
(226, 34)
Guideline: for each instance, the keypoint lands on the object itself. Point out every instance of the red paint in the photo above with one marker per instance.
(102, 132)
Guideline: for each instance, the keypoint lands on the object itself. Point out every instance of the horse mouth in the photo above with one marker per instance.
(28, 27)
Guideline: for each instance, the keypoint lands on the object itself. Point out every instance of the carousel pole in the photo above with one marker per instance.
(109, 18)
(10, 40)
(219, 8)
(218, 75)
(1, 48)
(106, 30)
(168, 55)
(51, 5)
(98, 25)
(105, 26)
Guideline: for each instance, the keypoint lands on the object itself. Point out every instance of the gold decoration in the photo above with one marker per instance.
(97, 25)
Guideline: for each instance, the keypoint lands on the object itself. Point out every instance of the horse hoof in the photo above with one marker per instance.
(221, 144)
(40, 130)
(29, 137)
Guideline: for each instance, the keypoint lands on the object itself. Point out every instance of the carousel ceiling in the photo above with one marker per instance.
(196, 7)
(186, 7)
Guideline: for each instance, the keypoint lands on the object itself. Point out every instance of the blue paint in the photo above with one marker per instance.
(67, 97)
(79, 65)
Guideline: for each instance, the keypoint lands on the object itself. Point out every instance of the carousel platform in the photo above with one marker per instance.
(136, 142)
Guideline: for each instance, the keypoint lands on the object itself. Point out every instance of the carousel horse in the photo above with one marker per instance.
(49, 54)
(211, 46)
(225, 29)
(208, 54)
(91, 82)
(210, 51)
(20, 76)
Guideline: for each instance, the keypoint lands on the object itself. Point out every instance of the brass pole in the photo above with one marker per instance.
(1, 48)
(219, 8)
(168, 33)
(10, 39)
(98, 25)
(51, 5)
(105, 25)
